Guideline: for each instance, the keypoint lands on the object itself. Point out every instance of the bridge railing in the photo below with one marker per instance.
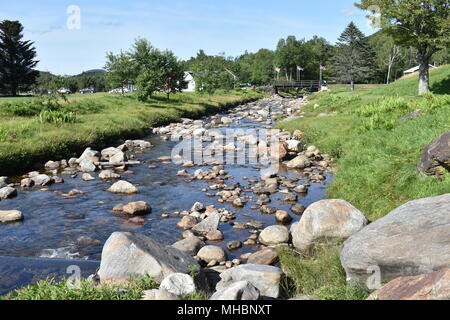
(297, 84)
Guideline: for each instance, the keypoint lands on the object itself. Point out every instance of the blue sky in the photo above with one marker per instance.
(229, 26)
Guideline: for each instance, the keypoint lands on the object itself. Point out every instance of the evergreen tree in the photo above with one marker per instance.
(16, 59)
(354, 57)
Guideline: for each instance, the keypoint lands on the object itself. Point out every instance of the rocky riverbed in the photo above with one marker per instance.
(70, 207)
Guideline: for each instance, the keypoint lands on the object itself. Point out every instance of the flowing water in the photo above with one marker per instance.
(53, 224)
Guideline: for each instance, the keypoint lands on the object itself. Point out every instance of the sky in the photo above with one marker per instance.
(69, 43)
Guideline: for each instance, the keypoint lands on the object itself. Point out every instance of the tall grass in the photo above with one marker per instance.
(319, 274)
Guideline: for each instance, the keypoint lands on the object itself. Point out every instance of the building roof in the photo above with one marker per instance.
(415, 69)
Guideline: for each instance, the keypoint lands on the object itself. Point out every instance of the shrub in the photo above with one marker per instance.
(57, 117)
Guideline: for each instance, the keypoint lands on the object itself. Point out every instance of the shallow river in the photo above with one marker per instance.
(53, 224)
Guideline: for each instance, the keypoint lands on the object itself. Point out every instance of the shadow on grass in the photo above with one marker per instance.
(441, 87)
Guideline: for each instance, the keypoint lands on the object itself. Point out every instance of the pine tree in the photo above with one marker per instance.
(16, 59)
(354, 57)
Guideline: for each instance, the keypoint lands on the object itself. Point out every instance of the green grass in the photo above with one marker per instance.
(53, 290)
(32, 131)
(320, 275)
(375, 153)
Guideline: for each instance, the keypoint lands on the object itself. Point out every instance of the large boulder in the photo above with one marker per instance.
(432, 286)
(274, 235)
(125, 254)
(436, 156)
(326, 220)
(241, 290)
(88, 154)
(10, 216)
(87, 166)
(411, 240)
(4, 181)
(123, 187)
(266, 279)
(41, 180)
(268, 256)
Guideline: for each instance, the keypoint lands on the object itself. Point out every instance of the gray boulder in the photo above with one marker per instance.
(4, 181)
(41, 180)
(241, 290)
(211, 223)
(300, 162)
(212, 253)
(411, 240)
(191, 245)
(436, 156)
(87, 166)
(158, 295)
(274, 235)
(326, 220)
(125, 254)
(88, 153)
(266, 279)
(8, 193)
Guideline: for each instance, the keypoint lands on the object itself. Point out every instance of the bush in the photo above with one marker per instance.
(57, 117)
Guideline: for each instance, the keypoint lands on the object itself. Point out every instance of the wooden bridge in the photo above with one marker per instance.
(310, 85)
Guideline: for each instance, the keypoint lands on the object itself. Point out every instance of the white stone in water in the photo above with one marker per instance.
(10, 216)
(123, 187)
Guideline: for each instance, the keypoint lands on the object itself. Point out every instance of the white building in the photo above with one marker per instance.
(414, 70)
(189, 78)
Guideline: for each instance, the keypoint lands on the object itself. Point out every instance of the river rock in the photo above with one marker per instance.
(87, 166)
(178, 284)
(10, 216)
(234, 245)
(191, 245)
(108, 174)
(226, 120)
(300, 162)
(211, 223)
(187, 222)
(138, 144)
(241, 290)
(295, 146)
(214, 235)
(411, 240)
(41, 180)
(266, 256)
(274, 235)
(210, 253)
(267, 279)
(432, 286)
(125, 254)
(87, 177)
(88, 153)
(326, 220)
(8, 193)
(199, 207)
(298, 209)
(50, 165)
(283, 217)
(109, 152)
(436, 156)
(4, 181)
(123, 187)
(118, 158)
(26, 183)
(137, 208)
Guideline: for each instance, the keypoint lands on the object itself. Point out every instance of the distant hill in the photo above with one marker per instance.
(94, 71)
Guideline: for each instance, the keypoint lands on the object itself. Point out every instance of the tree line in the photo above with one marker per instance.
(412, 33)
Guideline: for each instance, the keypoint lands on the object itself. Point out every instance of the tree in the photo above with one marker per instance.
(423, 24)
(120, 69)
(156, 70)
(354, 57)
(17, 58)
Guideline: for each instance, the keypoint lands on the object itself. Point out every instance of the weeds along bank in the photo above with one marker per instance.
(376, 137)
(34, 130)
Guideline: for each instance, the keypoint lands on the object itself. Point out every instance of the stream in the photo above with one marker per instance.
(58, 229)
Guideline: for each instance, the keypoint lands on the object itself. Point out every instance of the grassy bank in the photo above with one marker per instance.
(29, 135)
(376, 154)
